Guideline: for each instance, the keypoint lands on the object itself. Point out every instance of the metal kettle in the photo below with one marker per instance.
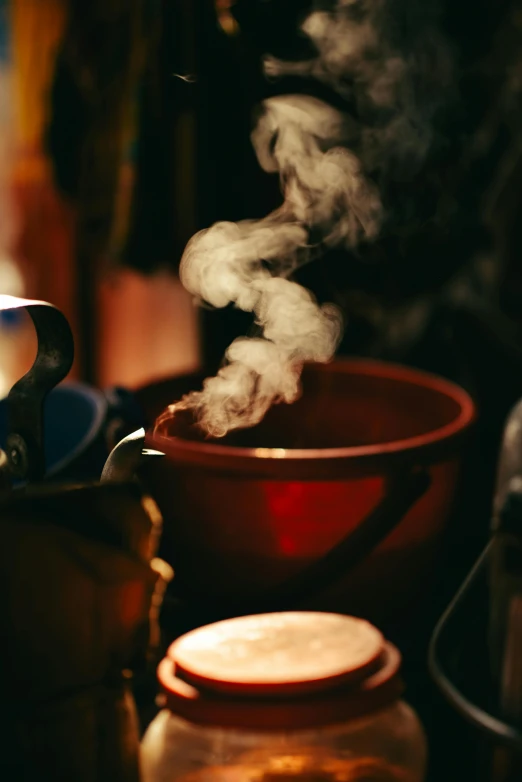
(80, 590)
(491, 698)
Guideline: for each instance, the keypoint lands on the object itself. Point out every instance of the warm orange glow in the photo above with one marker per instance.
(148, 328)
(37, 32)
(226, 20)
(270, 453)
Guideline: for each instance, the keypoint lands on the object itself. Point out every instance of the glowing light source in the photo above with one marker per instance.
(270, 453)
(226, 20)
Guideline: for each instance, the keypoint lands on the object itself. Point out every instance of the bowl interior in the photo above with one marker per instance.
(343, 406)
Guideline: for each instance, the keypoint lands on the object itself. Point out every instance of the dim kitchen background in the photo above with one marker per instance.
(125, 128)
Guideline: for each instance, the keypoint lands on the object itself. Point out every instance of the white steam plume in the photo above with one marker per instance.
(389, 59)
(322, 157)
(248, 263)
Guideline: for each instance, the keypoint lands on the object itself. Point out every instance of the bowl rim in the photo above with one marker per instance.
(424, 448)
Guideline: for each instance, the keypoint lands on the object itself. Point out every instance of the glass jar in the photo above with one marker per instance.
(288, 697)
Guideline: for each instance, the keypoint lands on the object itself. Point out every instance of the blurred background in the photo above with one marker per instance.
(125, 128)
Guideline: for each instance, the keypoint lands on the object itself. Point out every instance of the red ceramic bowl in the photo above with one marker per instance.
(244, 513)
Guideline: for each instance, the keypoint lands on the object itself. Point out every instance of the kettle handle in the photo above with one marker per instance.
(500, 563)
(54, 358)
(495, 727)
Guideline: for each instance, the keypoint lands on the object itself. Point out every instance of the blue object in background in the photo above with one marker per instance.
(5, 33)
(79, 421)
(11, 319)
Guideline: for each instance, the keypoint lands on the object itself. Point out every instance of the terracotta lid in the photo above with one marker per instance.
(281, 670)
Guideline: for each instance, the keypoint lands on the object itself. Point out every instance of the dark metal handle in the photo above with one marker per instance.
(358, 544)
(403, 493)
(54, 358)
(494, 727)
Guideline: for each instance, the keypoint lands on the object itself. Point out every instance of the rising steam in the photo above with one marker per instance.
(390, 62)
(328, 164)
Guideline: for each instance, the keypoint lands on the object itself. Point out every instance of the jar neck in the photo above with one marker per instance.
(283, 714)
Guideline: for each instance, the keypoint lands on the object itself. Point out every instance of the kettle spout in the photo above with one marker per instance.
(126, 458)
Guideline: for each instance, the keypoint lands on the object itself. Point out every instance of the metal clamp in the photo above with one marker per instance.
(25, 401)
